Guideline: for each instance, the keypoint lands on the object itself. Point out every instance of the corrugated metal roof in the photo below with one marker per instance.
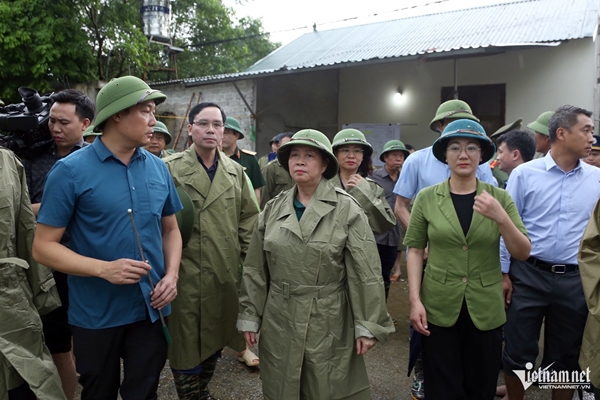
(510, 24)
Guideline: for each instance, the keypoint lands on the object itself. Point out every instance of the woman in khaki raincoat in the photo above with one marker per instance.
(312, 283)
(589, 266)
(353, 154)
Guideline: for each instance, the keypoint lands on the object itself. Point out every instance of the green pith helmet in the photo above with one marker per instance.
(121, 93)
(464, 128)
(394, 145)
(507, 128)
(234, 125)
(540, 125)
(312, 138)
(353, 136)
(89, 131)
(185, 217)
(452, 109)
(162, 128)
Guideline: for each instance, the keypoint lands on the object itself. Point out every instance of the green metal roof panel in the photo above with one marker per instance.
(508, 24)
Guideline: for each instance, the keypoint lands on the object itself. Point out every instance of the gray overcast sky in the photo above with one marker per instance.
(284, 15)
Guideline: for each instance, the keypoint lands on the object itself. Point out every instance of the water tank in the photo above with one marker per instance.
(156, 15)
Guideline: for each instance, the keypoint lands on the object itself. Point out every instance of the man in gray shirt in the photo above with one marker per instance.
(393, 155)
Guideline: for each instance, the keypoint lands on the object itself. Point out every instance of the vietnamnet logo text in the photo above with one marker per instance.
(548, 378)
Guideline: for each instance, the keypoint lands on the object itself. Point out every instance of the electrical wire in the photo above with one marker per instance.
(314, 26)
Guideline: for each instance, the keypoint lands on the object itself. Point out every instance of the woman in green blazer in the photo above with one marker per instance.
(457, 301)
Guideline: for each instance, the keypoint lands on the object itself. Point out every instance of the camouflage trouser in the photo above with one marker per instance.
(193, 386)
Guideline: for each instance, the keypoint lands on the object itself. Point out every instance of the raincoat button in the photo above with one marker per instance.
(465, 248)
(464, 280)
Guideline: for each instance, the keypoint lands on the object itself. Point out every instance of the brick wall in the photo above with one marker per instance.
(173, 111)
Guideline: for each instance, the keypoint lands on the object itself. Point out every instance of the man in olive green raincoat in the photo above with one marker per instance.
(27, 290)
(276, 177)
(312, 287)
(589, 267)
(204, 313)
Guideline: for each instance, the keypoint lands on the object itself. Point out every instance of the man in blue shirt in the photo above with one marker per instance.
(555, 196)
(422, 170)
(113, 311)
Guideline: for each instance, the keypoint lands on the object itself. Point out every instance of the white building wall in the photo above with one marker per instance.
(537, 80)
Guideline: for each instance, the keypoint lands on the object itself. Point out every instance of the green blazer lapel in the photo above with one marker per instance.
(446, 206)
(222, 181)
(477, 218)
(322, 203)
(193, 177)
(288, 213)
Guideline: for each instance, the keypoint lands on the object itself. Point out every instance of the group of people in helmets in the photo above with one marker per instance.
(316, 270)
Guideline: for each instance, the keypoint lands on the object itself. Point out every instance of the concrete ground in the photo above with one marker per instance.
(386, 365)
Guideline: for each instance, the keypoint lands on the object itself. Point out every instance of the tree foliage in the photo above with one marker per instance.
(52, 44)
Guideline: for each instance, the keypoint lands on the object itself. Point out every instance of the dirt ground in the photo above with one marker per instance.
(386, 365)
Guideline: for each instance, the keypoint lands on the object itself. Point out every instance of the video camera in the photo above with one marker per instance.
(26, 124)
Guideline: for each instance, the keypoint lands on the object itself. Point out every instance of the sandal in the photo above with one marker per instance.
(395, 278)
(249, 358)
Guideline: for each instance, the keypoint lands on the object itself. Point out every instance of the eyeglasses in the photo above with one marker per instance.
(346, 151)
(205, 124)
(471, 150)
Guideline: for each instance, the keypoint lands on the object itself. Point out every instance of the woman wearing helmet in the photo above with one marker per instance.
(457, 302)
(311, 283)
(353, 154)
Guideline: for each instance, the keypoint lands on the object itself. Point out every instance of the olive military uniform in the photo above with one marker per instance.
(247, 159)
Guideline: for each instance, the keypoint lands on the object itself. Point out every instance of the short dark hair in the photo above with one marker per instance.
(200, 106)
(285, 134)
(84, 106)
(519, 140)
(409, 147)
(565, 117)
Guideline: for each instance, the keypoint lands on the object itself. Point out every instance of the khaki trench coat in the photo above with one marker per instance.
(203, 315)
(589, 267)
(371, 197)
(27, 290)
(311, 287)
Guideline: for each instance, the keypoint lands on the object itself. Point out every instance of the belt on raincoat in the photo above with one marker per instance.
(316, 292)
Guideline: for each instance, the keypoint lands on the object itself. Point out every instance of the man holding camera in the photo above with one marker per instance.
(70, 114)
